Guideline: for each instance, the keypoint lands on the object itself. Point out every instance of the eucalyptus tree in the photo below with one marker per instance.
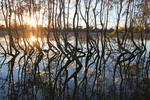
(57, 44)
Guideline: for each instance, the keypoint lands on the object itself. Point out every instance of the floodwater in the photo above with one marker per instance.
(33, 76)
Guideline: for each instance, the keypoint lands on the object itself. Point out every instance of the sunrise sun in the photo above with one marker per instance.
(32, 22)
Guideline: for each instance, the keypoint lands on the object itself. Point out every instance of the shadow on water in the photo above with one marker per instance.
(75, 73)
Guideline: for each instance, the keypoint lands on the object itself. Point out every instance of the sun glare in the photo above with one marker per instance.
(32, 22)
(32, 38)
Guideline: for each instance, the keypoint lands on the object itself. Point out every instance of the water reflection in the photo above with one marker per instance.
(50, 74)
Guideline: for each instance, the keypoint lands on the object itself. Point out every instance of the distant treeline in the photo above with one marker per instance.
(80, 29)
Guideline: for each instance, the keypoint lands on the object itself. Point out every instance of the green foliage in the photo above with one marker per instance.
(91, 27)
(120, 30)
(141, 17)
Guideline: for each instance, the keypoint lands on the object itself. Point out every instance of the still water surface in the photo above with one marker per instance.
(96, 79)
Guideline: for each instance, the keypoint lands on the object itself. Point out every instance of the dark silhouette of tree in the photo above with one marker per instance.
(72, 53)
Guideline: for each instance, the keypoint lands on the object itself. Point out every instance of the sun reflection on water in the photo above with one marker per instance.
(33, 39)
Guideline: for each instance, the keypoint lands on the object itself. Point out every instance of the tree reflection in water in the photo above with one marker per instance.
(58, 59)
(43, 74)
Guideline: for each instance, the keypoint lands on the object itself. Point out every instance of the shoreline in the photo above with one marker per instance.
(83, 34)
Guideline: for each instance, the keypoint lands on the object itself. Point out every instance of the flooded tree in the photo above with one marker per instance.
(63, 50)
